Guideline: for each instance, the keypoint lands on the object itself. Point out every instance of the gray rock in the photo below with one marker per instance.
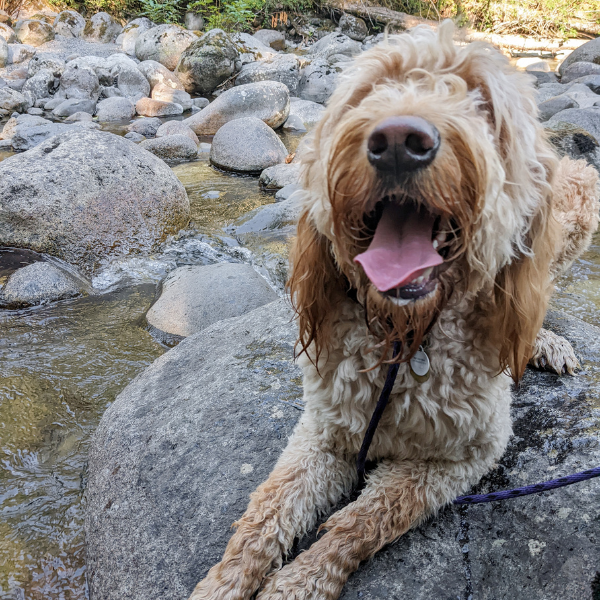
(97, 64)
(156, 73)
(178, 452)
(280, 67)
(53, 103)
(44, 61)
(115, 109)
(177, 128)
(165, 93)
(354, 27)
(193, 298)
(41, 85)
(250, 49)
(265, 100)
(172, 148)
(549, 90)
(318, 81)
(285, 193)
(579, 69)
(4, 54)
(89, 195)
(79, 82)
(533, 64)
(272, 38)
(132, 31)
(132, 83)
(36, 112)
(33, 32)
(134, 137)
(11, 125)
(246, 145)
(13, 101)
(294, 123)
(588, 119)
(543, 77)
(309, 112)
(164, 44)
(79, 116)
(148, 107)
(147, 126)
(582, 94)
(193, 21)
(553, 105)
(588, 52)
(251, 348)
(101, 28)
(69, 23)
(200, 102)
(278, 220)
(591, 81)
(573, 141)
(29, 135)
(8, 33)
(335, 43)
(279, 176)
(207, 62)
(38, 283)
(75, 106)
(18, 53)
(110, 92)
(204, 148)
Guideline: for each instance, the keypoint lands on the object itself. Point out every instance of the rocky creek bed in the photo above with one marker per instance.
(144, 165)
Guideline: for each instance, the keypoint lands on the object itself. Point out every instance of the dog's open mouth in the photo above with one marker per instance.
(405, 255)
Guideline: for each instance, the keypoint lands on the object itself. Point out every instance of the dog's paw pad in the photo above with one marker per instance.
(554, 353)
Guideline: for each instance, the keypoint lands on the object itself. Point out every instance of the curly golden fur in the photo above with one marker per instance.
(511, 217)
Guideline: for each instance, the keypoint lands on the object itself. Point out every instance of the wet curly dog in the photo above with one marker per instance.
(434, 213)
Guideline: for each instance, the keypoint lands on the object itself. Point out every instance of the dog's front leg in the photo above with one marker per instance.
(397, 496)
(308, 478)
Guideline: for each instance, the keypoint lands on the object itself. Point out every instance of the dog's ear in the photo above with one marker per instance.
(522, 290)
(315, 285)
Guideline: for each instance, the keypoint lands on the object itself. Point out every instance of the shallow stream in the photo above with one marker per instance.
(61, 365)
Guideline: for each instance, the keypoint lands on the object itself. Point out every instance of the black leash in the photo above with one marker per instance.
(377, 413)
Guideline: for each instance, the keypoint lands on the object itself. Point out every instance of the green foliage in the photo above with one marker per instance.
(161, 11)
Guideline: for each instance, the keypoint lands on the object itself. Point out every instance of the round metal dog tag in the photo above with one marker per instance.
(419, 366)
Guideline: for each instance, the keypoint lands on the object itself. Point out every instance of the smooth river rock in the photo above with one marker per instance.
(85, 195)
(101, 28)
(37, 283)
(181, 448)
(246, 145)
(193, 298)
(588, 52)
(69, 23)
(265, 100)
(172, 148)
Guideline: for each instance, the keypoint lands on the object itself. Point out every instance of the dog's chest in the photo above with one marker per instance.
(455, 405)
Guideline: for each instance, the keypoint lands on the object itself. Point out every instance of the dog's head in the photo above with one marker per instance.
(429, 178)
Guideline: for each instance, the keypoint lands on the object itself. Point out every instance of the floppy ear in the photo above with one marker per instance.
(315, 284)
(522, 290)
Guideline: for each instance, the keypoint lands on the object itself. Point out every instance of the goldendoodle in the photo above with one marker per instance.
(434, 214)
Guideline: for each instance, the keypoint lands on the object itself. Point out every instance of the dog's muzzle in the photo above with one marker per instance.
(402, 144)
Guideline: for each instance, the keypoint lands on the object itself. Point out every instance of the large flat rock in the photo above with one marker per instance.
(179, 451)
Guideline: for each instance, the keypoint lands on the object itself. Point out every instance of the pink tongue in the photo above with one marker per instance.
(401, 247)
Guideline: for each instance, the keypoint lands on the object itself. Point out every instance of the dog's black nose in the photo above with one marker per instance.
(403, 144)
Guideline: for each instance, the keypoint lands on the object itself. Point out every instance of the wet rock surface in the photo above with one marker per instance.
(37, 283)
(193, 298)
(219, 408)
(88, 195)
(172, 148)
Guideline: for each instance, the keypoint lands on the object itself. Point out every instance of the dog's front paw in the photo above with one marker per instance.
(553, 353)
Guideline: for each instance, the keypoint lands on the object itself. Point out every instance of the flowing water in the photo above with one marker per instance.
(61, 365)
